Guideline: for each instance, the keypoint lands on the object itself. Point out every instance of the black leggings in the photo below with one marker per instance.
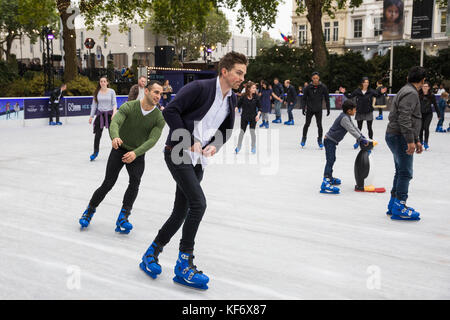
(369, 127)
(135, 170)
(426, 121)
(244, 124)
(309, 116)
(98, 132)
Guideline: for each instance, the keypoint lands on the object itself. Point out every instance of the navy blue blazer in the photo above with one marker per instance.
(192, 103)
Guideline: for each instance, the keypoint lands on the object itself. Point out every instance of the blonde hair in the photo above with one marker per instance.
(444, 95)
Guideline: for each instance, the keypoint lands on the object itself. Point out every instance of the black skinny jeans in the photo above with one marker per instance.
(135, 170)
(369, 126)
(189, 205)
(425, 128)
(309, 116)
(54, 111)
(244, 124)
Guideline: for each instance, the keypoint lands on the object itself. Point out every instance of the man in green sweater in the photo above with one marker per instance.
(134, 130)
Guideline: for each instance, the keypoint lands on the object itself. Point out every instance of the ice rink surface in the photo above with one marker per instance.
(267, 233)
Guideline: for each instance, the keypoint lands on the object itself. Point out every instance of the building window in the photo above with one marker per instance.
(302, 34)
(336, 31)
(443, 21)
(129, 37)
(377, 26)
(357, 28)
(326, 31)
(82, 40)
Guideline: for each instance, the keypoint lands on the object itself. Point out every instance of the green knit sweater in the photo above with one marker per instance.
(139, 133)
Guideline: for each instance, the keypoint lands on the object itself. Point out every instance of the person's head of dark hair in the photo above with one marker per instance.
(265, 83)
(276, 78)
(248, 86)
(99, 86)
(315, 73)
(416, 74)
(151, 83)
(348, 105)
(430, 90)
(230, 59)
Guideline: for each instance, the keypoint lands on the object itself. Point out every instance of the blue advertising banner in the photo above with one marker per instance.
(36, 108)
(77, 106)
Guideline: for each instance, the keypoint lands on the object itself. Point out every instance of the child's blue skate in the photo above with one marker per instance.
(426, 146)
(253, 150)
(86, 217)
(326, 187)
(335, 181)
(263, 123)
(122, 224)
(401, 212)
(93, 156)
(237, 150)
(186, 273)
(380, 117)
(150, 263)
(277, 120)
(356, 145)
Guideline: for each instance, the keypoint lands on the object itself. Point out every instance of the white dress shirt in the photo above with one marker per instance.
(206, 128)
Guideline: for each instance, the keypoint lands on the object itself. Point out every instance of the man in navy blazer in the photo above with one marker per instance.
(200, 120)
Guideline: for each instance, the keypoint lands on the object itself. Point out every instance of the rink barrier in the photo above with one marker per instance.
(38, 107)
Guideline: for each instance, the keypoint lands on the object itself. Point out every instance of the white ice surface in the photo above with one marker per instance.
(265, 235)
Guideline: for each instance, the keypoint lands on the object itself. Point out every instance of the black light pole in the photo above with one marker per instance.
(47, 58)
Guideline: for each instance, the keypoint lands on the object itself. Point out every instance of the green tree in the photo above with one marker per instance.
(264, 41)
(216, 31)
(315, 9)
(21, 18)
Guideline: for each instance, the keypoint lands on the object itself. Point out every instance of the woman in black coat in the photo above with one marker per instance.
(251, 110)
(427, 102)
(363, 98)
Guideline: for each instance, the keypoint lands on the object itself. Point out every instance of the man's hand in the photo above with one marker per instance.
(116, 143)
(209, 151)
(341, 89)
(383, 90)
(90, 120)
(161, 108)
(411, 148)
(129, 157)
(257, 118)
(196, 147)
(419, 147)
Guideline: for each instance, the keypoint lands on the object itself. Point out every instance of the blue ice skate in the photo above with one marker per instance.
(52, 123)
(122, 223)
(356, 145)
(426, 146)
(277, 120)
(58, 123)
(302, 144)
(320, 143)
(391, 202)
(262, 124)
(335, 181)
(326, 187)
(237, 150)
(289, 123)
(380, 117)
(150, 263)
(401, 212)
(93, 156)
(186, 273)
(86, 217)
(253, 150)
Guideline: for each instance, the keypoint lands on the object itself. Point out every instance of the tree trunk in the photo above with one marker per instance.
(69, 37)
(314, 17)
(9, 40)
